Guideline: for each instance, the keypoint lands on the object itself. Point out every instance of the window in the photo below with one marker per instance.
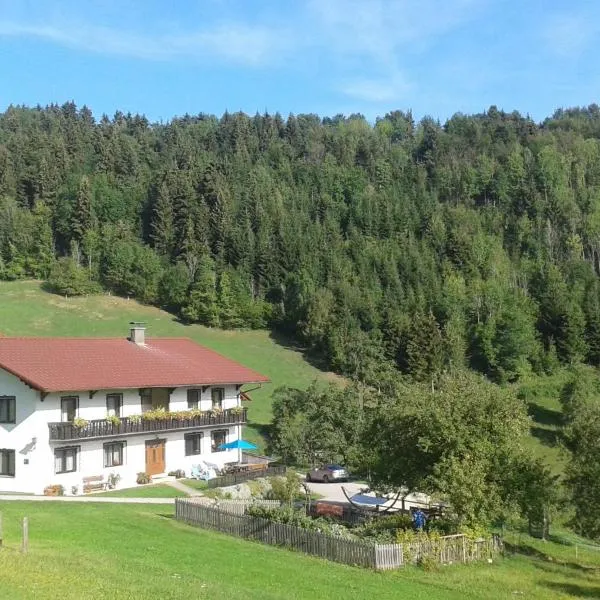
(65, 459)
(146, 398)
(194, 399)
(193, 443)
(217, 395)
(217, 438)
(7, 463)
(114, 454)
(8, 409)
(68, 406)
(114, 402)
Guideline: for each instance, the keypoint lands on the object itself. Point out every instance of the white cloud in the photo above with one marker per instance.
(233, 42)
(569, 35)
(381, 36)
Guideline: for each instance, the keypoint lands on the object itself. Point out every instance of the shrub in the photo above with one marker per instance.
(179, 474)
(143, 478)
(297, 518)
(443, 526)
(286, 489)
(67, 278)
(428, 563)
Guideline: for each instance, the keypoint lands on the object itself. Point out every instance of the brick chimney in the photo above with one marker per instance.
(137, 333)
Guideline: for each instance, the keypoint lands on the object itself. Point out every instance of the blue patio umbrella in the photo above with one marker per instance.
(238, 445)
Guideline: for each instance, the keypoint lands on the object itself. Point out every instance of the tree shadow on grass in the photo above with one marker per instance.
(289, 343)
(545, 561)
(544, 416)
(548, 437)
(577, 591)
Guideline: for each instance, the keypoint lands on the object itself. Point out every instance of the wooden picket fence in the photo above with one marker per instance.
(449, 550)
(235, 478)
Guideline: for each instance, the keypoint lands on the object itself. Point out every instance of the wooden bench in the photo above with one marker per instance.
(93, 483)
(253, 467)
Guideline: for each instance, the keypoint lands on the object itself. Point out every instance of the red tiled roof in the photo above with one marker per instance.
(72, 364)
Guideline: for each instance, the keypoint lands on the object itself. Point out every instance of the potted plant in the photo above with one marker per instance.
(113, 420)
(143, 478)
(79, 423)
(54, 490)
(113, 480)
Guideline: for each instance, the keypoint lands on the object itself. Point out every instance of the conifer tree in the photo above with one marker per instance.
(163, 230)
(81, 219)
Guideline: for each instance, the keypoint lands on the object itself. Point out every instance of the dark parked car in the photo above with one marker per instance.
(328, 473)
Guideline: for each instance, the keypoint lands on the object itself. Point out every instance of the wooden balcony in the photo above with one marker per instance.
(101, 428)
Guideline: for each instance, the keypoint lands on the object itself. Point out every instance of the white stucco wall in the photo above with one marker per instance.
(28, 437)
(34, 453)
(91, 456)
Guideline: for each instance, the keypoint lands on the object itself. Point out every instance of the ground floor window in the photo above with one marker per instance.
(114, 454)
(193, 443)
(7, 463)
(65, 459)
(217, 438)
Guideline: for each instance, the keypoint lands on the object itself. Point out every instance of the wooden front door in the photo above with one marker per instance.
(155, 457)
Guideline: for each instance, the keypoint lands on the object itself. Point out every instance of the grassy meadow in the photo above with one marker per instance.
(26, 310)
(134, 552)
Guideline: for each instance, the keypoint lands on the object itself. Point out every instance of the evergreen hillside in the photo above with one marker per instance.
(421, 246)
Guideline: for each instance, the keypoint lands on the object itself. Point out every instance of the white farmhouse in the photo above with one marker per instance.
(78, 408)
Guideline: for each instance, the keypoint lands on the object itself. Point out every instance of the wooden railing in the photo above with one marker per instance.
(235, 478)
(101, 428)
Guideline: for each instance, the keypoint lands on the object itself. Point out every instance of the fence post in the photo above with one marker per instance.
(464, 549)
(25, 541)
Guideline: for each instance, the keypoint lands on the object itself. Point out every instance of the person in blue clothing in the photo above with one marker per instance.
(419, 519)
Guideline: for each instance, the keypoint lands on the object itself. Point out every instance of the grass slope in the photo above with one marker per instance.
(134, 552)
(26, 310)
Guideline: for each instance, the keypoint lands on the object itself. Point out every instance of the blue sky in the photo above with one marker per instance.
(435, 57)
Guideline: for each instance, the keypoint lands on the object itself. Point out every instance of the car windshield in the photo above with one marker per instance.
(334, 467)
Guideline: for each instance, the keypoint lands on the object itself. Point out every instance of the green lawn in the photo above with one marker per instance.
(135, 552)
(196, 483)
(158, 490)
(26, 310)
